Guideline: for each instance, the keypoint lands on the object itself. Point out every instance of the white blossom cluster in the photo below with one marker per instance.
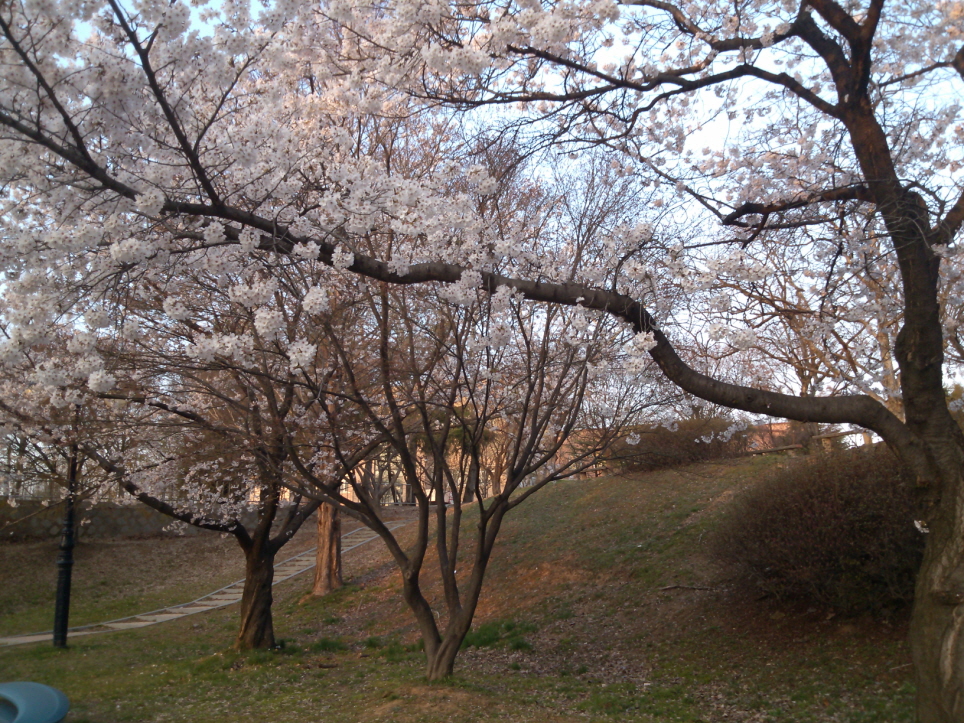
(176, 309)
(255, 293)
(150, 203)
(316, 300)
(301, 353)
(464, 291)
(270, 323)
(232, 346)
(342, 258)
(101, 381)
(94, 264)
(727, 434)
(737, 338)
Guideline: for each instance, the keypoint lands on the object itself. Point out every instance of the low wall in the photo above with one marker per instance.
(100, 521)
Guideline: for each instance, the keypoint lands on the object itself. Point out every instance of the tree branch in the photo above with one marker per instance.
(849, 193)
(838, 18)
(233, 527)
(143, 54)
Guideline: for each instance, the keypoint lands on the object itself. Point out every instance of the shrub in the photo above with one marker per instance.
(834, 529)
(693, 440)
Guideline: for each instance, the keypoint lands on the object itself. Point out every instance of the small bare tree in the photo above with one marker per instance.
(437, 381)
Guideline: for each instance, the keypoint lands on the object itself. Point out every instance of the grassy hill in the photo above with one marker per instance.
(600, 605)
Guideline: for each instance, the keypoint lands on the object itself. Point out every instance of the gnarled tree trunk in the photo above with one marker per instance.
(257, 627)
(441, 649)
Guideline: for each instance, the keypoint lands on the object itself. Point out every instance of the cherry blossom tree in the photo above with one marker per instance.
(53, 440)
(829, 112)
(455, 384)
(133, 138)
(450, 374)
(215, 429)
(836, 336)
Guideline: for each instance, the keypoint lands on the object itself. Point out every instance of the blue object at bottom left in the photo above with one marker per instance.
(32, 703)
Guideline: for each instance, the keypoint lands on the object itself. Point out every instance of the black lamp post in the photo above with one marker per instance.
(65, 560)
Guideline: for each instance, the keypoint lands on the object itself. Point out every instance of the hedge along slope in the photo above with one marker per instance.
(837, 530)
(693, 440)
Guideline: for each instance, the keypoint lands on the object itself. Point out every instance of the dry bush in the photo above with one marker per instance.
(836, 530)
(659, 448)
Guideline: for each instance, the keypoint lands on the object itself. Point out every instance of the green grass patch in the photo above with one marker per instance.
(577, 574)
(506, 632)
(328, 645)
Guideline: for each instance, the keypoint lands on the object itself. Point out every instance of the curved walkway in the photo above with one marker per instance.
(228, 595)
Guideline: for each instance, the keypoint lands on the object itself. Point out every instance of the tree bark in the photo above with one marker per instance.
(442, 663)
(440, 652)
(257, 627)
(497, 482)
(328, 554)
(440, 657)
(468, 493)
(937, 622)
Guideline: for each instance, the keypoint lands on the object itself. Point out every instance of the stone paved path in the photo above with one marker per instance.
(228, 595)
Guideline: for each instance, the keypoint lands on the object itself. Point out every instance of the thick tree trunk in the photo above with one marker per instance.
(937, 625)
(328, 554)
(936, 453)
(442, 663)
(257, 628)
(441, 651)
